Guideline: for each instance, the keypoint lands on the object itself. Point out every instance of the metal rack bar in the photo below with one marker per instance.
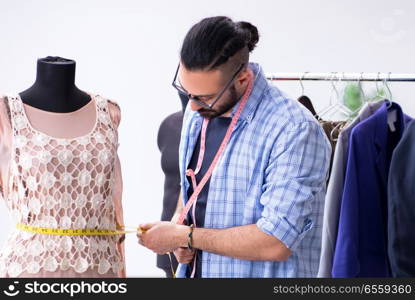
(342, 76)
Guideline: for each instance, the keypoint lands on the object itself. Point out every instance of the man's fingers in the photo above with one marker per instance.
(141, 240)
(185, 260)
(187, 255)
(184, 251)
(184, 255)
(146, 226)
(180, 252)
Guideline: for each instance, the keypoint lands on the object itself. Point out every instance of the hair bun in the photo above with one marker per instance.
(252, 35)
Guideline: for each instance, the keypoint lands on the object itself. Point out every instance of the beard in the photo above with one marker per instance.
(223, 107)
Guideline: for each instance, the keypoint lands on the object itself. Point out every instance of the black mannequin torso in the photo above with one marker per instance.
(54, 89)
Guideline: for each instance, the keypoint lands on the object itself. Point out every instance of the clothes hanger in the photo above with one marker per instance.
(330, 99)
(363, 98)
(340, 126)
(338, 106)
(389, 90)
(379, 96)
(392, 113)
(354, 114)
(301, 82)
(359, 83)
(305, 100)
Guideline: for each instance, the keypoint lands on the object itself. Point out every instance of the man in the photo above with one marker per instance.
(260, 212)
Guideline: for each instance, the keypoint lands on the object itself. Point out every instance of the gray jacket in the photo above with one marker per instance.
(335, 192)
(401, 206)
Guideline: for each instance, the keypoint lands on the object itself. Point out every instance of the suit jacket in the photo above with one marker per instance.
(401, 204)
(361, 246)
(335, 191)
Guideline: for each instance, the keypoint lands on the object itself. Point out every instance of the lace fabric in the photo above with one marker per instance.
(63, 183)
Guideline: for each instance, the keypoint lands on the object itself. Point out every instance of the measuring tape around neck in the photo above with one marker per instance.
(197, 188)
(189, 172)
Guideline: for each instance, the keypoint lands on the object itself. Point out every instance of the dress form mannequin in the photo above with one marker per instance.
(54, 89)
(168, 140)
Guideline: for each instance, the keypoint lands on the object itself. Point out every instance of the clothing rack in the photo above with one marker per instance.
(342, 76)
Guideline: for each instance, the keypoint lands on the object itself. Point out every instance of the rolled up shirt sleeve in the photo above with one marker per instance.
(297, 169)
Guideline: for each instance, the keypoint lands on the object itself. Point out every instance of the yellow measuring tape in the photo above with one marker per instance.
(57, 231)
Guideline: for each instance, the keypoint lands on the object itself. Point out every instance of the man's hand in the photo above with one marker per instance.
(184, 255)
(163, 237)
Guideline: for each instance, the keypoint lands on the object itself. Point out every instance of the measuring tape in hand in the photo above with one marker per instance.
(89, 232)
(57, 231)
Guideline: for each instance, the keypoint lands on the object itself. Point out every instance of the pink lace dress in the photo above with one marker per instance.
(61, 170)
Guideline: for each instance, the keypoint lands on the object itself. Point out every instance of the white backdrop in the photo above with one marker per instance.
(128, 50)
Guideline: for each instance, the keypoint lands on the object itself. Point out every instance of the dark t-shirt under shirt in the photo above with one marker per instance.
(215, 133)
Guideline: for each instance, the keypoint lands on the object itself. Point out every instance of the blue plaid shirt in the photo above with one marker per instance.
(272, 174)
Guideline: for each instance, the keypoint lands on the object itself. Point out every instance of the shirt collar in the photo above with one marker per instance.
(381, 119)
(260, 83)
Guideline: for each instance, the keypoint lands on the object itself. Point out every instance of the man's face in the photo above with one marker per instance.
(206, 86)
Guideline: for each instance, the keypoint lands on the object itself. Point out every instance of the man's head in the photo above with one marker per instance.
(214, 59)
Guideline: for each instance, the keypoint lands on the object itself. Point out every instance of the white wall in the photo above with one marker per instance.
(128, 51)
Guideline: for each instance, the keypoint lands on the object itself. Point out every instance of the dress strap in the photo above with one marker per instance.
(6, 102)
(17, 118)
(103, 113)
